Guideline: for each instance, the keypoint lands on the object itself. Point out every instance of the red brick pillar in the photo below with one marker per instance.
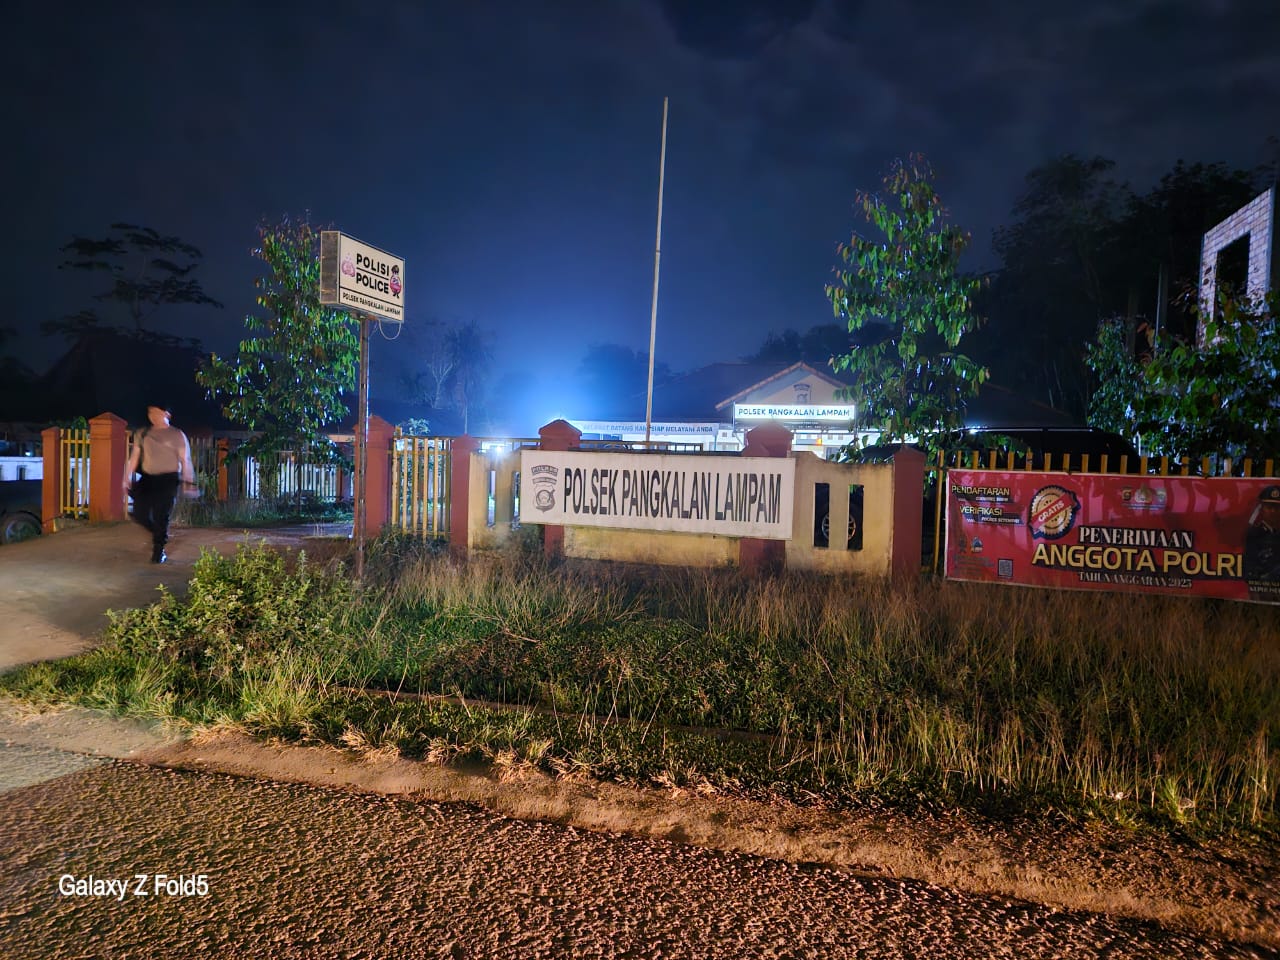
(53, 482)
(224, 475)
(908, 507)
(562, 436)
(108, 454)
(460, 452)
(756, 555)
(377, 482)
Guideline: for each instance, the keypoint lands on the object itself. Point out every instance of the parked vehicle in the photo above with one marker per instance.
(19, 510)
(1056, 442)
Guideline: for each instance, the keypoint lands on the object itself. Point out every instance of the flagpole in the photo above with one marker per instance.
(657, 256)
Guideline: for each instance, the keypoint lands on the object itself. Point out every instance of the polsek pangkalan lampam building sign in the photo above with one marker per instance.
(729, 496)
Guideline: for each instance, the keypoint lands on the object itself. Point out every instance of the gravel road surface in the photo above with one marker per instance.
(260, 869)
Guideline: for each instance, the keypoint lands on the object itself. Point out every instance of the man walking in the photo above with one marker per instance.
(162, 457)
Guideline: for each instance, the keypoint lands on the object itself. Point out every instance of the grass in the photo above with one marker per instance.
(838, 691)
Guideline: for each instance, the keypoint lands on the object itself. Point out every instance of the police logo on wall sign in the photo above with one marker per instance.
(545, 479)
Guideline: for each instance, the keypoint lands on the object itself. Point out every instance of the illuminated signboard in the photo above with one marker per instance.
(360, 277)
(795, 412)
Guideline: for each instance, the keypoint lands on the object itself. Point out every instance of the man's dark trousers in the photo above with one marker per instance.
(153, 498)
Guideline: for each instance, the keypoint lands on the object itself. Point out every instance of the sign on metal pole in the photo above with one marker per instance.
(368, 282)
(360, 277)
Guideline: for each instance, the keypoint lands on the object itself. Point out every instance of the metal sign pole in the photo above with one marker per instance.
(368, 283)
(657, 257)
(362, 444)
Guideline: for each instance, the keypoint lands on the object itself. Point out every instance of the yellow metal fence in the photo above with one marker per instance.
(420, 486)
(73, 454)
(1084, 463)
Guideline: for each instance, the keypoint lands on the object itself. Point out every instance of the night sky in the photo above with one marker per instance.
(509, 151)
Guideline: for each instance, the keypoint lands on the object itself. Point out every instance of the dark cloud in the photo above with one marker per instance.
(736, 29)
(510, 151)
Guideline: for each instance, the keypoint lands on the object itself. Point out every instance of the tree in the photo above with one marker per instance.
(470, 351)
(1164, 230)
(10, 366)
(1053, 288)
(1197, 400)
(146, 270)
(16, 378)
(290, 378)
(1084, 248)
(444, 367)
(425, 367)
(817, 346)
(908, 307)
(1219, 397)
(1118, 378)
(437, 372)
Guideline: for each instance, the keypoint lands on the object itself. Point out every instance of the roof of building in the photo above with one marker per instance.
(702, 395)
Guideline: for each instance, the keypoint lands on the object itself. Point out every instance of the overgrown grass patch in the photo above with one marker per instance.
(835, 690)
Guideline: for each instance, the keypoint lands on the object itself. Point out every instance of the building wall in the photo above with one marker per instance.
(21, 468)
(648, 546)
(805, 390)
(716, 430)
(1256, 220)
(889, 540)
(877, 483)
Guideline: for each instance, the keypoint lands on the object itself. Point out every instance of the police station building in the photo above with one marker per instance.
(715, 406)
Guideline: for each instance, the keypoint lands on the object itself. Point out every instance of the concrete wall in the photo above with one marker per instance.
(876, 481)
(491, 479)
(888, 543)
(1255, 220)
(651, 546)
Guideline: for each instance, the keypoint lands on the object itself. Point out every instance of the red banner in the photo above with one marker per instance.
(1209, 537)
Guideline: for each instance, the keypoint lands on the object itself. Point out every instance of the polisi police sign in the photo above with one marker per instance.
(360, 277)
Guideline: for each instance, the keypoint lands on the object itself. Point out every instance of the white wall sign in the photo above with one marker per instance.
(360, 277)
(626, 427)
(795, 412)
(731, 496)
